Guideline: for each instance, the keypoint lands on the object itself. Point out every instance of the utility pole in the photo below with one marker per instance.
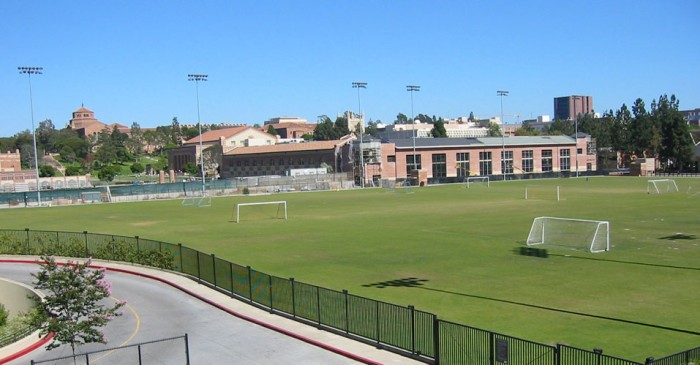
(358, 86)
(197, 78)
(29, 71)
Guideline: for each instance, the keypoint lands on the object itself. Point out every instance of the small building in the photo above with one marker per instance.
(10, 161)
(289, 127)
(215, 143)
(281, 159)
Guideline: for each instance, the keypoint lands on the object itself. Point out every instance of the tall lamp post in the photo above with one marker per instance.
(411, 89)
(197, 78)
(574, 98)
(29, 71)
(503, 93)
(358, 86)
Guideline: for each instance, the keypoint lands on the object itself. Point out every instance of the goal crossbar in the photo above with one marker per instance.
(474, 179)
(591, 235)
(657, 186)
(279, 202)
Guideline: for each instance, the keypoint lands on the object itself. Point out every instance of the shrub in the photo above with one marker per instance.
(4, 314)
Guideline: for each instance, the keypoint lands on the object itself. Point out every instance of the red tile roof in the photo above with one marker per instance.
(215, 135)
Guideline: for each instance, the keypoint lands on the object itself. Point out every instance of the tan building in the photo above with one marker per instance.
(84, 122)
(290, 127)
(215, 143)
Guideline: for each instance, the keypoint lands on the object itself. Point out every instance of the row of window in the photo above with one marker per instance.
(439, 162)
(301, 161)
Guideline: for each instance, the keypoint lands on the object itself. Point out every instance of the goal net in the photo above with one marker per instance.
(589, 235)
(661, 186)
(276, 209)
(542, 192)
(482, 181)
(197, 200)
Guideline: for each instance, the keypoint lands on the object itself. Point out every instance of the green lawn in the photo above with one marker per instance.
(459, 246)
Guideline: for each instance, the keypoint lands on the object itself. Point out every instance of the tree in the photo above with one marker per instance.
(46, 135)
(73, 307)
(677, 145)
(107, 173)
(134, 144)
(401, 118)
(271, 130)
(561, 127)
(175, 132)
(494, 130)
(439, 130)
(341, 127)
(46, 171)
(190, 168)
(137, 168)
(325, 130)
(371, 129)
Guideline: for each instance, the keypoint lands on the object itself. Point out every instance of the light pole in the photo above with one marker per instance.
(197, 78)
(29, 71)
(503, 93)
(575, 97)
(358, 86)
(411, 89)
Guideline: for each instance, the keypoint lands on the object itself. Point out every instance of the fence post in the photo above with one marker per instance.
(187, 350)
(28, 251)
(347, 314)
(294, 306)
(378, 325)
(199, 272)
(318, 305)
(413, 328)
(650, 360)
(436, 339)
(87, 249)
(492, 347)
(557, 355)
(230, 271)
(213, 266)
(179, 247)
(138, 247)
(250, 284)
(270, 286)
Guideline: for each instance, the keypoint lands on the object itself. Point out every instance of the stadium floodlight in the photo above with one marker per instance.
(29, 71)
(411, 89)
(361, 85)
(197, 78)
(589, 235)
(503, 93)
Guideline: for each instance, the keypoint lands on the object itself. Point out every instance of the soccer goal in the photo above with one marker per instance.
(661, 186)
(482, 181)
(197, 200)
(542, 192)
(589, 235)
(281, 208)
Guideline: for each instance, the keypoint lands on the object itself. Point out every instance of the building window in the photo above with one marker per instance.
(391, 158)
(272, 162)
(233, 143)
(546, 160)
(463, 164)
(281, 162)
(565, 160)
(507, 162)
(485, 167)
(412, 163)
(246, 163)
(528, 165)
(439, 165)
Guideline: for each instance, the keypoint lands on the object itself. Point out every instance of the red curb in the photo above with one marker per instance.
(221, 307)
(27, 350)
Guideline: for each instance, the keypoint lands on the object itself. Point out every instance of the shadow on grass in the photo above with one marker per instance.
(418, 284)
(679, 236)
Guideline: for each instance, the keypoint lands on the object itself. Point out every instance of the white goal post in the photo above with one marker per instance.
(280, 203)
(590, 235)
(661, 186)
(477, 179)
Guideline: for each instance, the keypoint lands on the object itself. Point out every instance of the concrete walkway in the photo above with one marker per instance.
(353, 351)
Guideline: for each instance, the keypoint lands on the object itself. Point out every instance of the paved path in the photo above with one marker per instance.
(220, 329)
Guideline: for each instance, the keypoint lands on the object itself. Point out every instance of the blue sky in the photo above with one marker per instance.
(128, 60)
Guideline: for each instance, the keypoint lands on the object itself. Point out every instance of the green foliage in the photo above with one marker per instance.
(74, 171)
(439, 130)
(4, 314)
(46, 171)
(494, 130)
(191, 169)
(271, 130)
(73, 307)
(137, 168)
(246, 191)
(107, 173)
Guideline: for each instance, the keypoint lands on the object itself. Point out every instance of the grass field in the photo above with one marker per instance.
(451, 251)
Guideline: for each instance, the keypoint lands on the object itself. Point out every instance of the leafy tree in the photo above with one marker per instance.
(73, 171)
(494, 130)
(561, 127)
(325, 130)
(137, 168)
(371, 129)
(46, 135)
(439, 130)
(527, 130)
(271, 130)
(73, 307)
(175, 131)
(46, 171)
(106, 154)
(425, 119)
(401, 119)
(621, 138)
(191, 168)
(108, 172)
(134, 144)
(677, 145)
(341, 127)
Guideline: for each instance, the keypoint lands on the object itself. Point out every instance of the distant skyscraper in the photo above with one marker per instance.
(568, 107)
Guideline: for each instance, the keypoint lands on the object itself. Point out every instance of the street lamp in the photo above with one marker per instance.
(197, 78)
(503, 93)
(411, 89)
(574, 98)
(358, 86)
(29, 71)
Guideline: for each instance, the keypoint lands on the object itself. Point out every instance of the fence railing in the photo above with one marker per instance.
(16, 335)
(402, 329)
(151, 352)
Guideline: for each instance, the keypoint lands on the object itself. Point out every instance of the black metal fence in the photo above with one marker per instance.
(405, 330)
(151, 352)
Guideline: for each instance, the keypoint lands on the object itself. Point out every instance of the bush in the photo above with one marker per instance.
(73, 171)
(4, 314)
(137, 168)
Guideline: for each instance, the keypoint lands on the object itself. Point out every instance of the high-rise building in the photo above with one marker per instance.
(568, 107)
